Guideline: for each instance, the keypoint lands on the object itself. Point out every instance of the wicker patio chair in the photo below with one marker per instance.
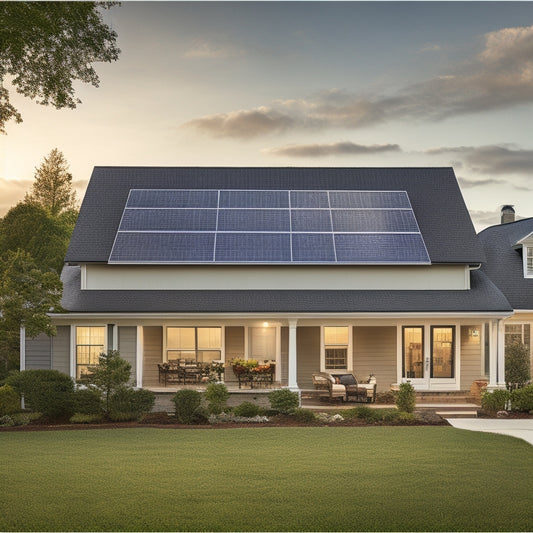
(329, 389)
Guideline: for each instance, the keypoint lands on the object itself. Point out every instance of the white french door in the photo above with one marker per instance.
(429, 357)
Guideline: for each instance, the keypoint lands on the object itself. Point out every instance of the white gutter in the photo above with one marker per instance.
(291, 315)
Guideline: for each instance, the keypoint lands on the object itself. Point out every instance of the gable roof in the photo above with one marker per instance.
(434, 194)
(505, 265)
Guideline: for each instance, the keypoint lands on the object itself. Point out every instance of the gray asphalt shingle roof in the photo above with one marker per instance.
(504, 264)
(482, 297)
(434, 194)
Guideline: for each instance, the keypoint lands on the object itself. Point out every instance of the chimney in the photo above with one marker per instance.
(507, 214)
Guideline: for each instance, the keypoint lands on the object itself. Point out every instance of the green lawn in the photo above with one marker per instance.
(265, 479)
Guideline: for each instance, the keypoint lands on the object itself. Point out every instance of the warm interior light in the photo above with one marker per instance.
(473, 332)
(265, 324)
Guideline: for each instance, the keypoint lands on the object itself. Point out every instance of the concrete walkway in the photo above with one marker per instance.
(519, 428)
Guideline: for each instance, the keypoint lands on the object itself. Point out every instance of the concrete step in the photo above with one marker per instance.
(457, 414)
(448, 398)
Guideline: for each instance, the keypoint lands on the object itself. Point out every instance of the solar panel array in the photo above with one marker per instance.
(268, 226)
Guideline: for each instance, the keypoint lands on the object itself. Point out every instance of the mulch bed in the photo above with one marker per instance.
(163, 421)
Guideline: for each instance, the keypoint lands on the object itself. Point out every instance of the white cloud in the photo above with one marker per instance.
(501, 76)
(338, 148)
(202, 48)
(492, 159)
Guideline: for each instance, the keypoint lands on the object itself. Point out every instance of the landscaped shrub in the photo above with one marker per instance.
(18, 419)
(406, 399)
(364, 413)
(303, 415)
(216, 395)
(188, 403)
(111, 373)
(128, 401)
(49, 392)
(496, 400)
(522, 399)
(86, 418)
(88, 401)
(517, 371)
(372, 415)
(247, 410)
(9, 400)
(388, 397)
(284, 401)
(406, 418)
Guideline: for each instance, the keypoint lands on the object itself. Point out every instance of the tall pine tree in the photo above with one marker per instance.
(52, 188)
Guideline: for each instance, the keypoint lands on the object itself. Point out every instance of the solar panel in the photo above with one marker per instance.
(371, 220)
(313, 248)
(254, 220)
(254, 199)
(380, 248)
(169, 220)
(369, 199)
(311, 220)
(138, 247)
(309, 199)
(176, 198)
(253, 248)
(268, 226)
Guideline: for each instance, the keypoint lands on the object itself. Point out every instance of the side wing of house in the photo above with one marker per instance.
(509, 250)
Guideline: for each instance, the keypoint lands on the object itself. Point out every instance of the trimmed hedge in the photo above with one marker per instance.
(522, 399)
(9, 401)
(49, 392)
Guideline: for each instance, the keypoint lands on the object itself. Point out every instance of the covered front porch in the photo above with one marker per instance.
(433, 353)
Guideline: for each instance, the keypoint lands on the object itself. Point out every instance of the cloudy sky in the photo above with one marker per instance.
(303, 84)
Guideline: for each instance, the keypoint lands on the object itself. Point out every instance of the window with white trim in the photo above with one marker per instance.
(201, 344)
(529, 261)
(517, 333)
(90, 343)
(336, 340)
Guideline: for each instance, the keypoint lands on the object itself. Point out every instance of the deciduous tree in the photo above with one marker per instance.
(46, 46)
(29, 227)
(27, 295)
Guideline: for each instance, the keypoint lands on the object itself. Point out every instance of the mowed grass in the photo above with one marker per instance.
(265, 479)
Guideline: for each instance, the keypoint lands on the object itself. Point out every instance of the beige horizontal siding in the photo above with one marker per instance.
(308, 354)
(374, 351)
(61, 350)
(127, 346)
(152, 353)
(471, 354)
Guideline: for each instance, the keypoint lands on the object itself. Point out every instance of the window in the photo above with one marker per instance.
(197, 343)
(90, 343)
(529, 261)
(517, 333)
(442, 351)
(413, 352)
(336, 347)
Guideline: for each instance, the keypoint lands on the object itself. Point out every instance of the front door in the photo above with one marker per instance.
(428, 360)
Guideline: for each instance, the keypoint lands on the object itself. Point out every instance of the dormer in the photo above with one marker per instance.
(526, 245)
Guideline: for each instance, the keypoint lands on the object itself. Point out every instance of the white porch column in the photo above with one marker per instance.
(293, 365)
(22, 363)
(139, 357)
(493, 356)
(501, 354)
(115, 337)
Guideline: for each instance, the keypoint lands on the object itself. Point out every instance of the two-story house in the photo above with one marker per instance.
(370, 270)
